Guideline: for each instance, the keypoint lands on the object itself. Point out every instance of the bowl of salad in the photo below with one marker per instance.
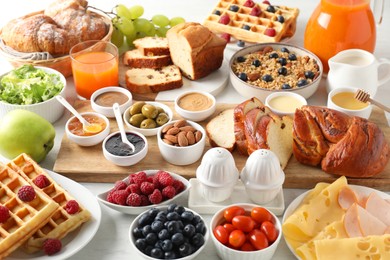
(32, 88)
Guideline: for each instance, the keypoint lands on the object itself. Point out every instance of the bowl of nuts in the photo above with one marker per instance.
(147, 117)
(181, 142)
(262, 69)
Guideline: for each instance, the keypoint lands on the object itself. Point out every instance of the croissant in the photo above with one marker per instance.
(342, 145)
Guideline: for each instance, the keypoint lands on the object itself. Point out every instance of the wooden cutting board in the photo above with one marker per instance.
(87, 164)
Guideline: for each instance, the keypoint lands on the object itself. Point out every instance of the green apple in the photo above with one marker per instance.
(23, 131)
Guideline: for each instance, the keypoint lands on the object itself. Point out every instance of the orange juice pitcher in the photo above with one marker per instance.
(337, 25)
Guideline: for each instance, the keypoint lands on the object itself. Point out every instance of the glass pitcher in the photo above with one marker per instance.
(337, 25)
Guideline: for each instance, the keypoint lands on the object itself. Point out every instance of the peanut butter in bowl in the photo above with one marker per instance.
(195, 105)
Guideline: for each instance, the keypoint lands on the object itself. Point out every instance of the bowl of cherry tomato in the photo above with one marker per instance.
(246, 232)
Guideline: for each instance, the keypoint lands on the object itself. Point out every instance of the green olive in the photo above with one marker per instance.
(160, 110)
(149, 111)
(162, 118)
(148, 123)
(136, 119)
(136, 108)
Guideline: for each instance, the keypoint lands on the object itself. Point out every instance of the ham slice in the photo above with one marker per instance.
(347, 197)
(351, 222)
(370, 224)
(378, 207)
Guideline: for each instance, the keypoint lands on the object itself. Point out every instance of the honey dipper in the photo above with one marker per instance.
(363, 96)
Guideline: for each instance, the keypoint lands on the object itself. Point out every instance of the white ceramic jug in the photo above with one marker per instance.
(356, 68)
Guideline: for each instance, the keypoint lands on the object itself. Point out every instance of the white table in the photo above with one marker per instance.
(111, 240)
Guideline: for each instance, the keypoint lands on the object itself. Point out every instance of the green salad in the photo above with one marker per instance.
(29, 85)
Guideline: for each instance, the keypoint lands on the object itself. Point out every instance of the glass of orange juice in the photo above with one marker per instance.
(94, 66)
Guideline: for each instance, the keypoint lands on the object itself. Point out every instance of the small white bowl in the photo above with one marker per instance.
(364, 113)
(149, 131)
(91, 139)
(291, 100)
(50, 109)
(135, 223)
(200, 98)
(182, 155)
(107, 110)
(125, 160)
(102, 197)
(228, 253)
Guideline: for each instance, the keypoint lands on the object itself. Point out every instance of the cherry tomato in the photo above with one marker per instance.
(269, 230)
(221, 234)
(244, 223)
(233, 211)
(237, 238)
(258, 239)
(247, 246)
(229, 227)
(260, 215)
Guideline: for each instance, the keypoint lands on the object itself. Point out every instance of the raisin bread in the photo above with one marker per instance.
(136, 59)
(152, 46)
(220, 130)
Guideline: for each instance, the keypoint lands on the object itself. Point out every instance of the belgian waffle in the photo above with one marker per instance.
(61, 222)
(244, 26)
(25, 217)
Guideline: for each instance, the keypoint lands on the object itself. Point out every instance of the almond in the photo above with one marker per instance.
(187, 128)
(171, 138)
(180, 123)
(167, 141)
(190, 137)
(173, 131)
(182, 139)
(198, 136)
(166, 128)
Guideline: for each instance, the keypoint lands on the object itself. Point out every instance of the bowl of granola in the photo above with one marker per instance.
(262, 69)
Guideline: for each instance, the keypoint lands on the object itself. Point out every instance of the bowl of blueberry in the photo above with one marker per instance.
(168, 232)
(262, 69)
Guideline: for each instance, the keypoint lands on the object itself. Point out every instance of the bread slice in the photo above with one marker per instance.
(220, 130)
(146, 80)
(136, 59)
(152, 46)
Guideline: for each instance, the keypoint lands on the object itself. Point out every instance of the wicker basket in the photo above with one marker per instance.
(61, 64)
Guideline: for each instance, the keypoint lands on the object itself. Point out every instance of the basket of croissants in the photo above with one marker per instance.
(44, 38)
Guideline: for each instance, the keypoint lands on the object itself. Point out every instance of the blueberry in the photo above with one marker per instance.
(163, 234)
(161, 216)
(240, 43)
(273, 55)
(234, 8)
(189, 230)
(151, 238)
(282, 61)
(187, 216)
(148, 249)
(196, 220)
(140, 243)
(280, 19)
(178, 239)
(173, 227)
(170, 255)
(137, 232)
(158, 244)
(302, 82)
(284, 49)
(146, 230)
(171, 207)
(267, 78)
(173, 216)
(200, 228)
(309, 74)
(157, 226)
(157, 253)
(246, 27)
(166, 245)
(243, 76)
(185, 249)
(241, 59)
(179, 209)
(145, 219)
(153, 212)
(292, 56)
(286, 86)
(181, 225)
(217, 12)
(271, 9)
(256, 63)
(282, 71)
(197, 240)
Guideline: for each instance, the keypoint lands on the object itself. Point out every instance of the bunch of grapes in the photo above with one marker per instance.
(129, 25)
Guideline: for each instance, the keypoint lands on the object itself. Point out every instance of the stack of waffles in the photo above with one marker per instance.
(31, 223)
(253, 22)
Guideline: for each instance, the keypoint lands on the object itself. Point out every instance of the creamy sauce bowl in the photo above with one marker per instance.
(195, 105)
(285, 103)
(103, 99)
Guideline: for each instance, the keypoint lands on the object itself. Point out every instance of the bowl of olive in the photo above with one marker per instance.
(147, 117)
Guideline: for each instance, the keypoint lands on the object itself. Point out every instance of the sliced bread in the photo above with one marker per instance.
(152, 46)
(136, 59)
(146, 80)
(220, 130)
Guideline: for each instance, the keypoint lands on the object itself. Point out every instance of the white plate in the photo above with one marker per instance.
(138, 210)
(197, 202)
(297, 201)
(232, 45)
(78, 238)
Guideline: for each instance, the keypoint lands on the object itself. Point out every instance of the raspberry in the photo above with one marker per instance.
(120, 185)
(133, 200)
(270, 32)
(149, 179)
(131, 180)
(169, 192)
(133, 188)
(165, 179)
(120, 196)
(41, 181)
(139, 178)
(255, 11)
(4, 214)
(155, 197)
(144, 200)
(249, 3)
(178, 185)
(52, 246)
(147, 188)
(266, 2)
(226, 36)
(109, 197)
(72, 207)
(224, 19)
(26, 193)
(156, 182)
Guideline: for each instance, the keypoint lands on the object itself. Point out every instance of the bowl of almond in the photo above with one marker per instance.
(181, 142)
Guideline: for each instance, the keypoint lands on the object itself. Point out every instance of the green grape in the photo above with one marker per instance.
(162, 31)
(141, 35)
(142, 25)
(151, 32)
(125, 25)
(176, 20)
(123, 11)
(117, 37)
(160, 20)
(136, 11)
(130, 39)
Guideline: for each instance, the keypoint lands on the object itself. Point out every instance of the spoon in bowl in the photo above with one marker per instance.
(119, 121)
(87, 126)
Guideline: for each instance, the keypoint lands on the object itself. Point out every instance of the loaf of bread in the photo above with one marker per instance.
(342, 145)
(136, 59)
(152, 46)
(62, 25)
(220, 130)
(195, 49)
